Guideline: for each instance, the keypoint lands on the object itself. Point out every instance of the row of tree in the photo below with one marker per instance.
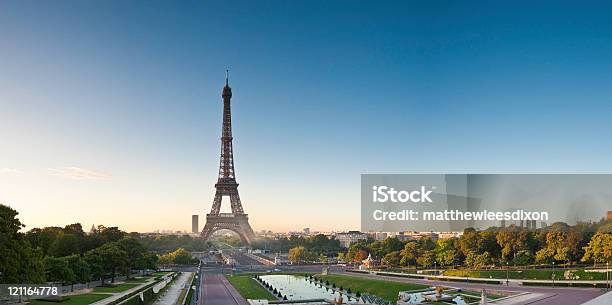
(66, 255)
(299, 255)
(178, 257)
(169, 243)
(513, 245)
(317, 244)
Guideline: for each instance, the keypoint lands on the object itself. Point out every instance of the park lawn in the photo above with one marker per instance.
(384, 289)
(160, 273)
(138, 280)
(79, 299)
(115, 288)
(249, 288)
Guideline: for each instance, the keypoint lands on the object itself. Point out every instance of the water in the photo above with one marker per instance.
(459, 301)
(299, 288)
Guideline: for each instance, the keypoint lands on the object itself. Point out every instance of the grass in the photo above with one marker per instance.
(137, 280)
(384, 289)
(79, 299)
(115, 288)
(160, 273)
(528, 274)
(249, 288)
(191, 290)
(179, 300)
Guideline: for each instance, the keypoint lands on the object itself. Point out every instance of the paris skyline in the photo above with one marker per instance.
(111, 111)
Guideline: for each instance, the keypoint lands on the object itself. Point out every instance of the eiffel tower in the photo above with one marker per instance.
(226, 185)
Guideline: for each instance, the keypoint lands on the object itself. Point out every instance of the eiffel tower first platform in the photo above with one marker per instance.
(226, 185)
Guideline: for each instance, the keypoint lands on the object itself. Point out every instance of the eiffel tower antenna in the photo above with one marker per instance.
(226, 185)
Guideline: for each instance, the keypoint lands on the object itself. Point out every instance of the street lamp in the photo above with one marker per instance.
(435, 268)
(507, 267)
(553, 274)
(607, 276)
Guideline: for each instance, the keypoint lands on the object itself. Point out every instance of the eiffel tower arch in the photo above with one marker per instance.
(226, 185)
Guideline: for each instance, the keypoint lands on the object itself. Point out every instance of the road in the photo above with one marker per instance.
(541, 295)
(241, 258)
(216, 290)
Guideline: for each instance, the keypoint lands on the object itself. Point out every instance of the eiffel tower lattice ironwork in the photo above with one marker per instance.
(226, 185)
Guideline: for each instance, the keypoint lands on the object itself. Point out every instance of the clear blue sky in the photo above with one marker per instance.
(111, 109)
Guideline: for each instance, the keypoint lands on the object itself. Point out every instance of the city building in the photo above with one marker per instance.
(378, 235)
(406, 236)
(446, 235)
(346, 238)
(194, 224)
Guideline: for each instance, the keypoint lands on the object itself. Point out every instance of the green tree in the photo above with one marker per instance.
(409, 254)
(58, 270)
(545, 256)
(599, 249)
(470, 259)
(65, 244)
(113, 258)
(44, 238)
(391, 258)
(19, 263)
(522, 258)
(427, 258)
(478, 260)
(297, 254)
(354, 249)
(426, 243)
(80, 268)
(512, 240)
(448, 257)
(182, 257)
(166, 259)
(150, 260)
(96, 264)
(135, 252)
(446, 254)
(483, 260)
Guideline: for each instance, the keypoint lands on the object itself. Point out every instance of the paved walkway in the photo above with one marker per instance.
(216, 290)
(173, 292)
(118, 295)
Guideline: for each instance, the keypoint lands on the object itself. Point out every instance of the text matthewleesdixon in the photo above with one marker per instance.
(384, 194)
